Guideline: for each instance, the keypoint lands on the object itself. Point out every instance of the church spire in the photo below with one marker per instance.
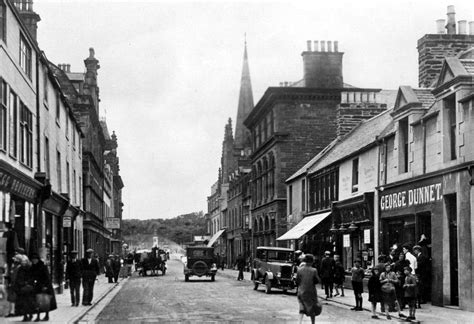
(242, 135)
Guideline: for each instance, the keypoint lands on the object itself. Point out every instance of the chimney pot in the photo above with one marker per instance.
(323, 46)
(316, 46)
(440, 26)
(281, 84)
(336, 46)
(462, 27)
(308, 45)
(451, 26)
(69, 68)
(471, 28)
(329, 46)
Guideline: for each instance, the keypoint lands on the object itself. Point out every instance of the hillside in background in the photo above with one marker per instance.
(181, 229)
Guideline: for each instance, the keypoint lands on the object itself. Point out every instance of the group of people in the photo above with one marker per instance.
(399, 283)
(29, 288)
(112, 268)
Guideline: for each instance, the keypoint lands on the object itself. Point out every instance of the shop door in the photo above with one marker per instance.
(453, 246)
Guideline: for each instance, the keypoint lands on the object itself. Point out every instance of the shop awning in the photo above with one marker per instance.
(215, 237)
(303, 227)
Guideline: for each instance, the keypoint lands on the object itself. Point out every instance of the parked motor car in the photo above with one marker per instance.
(274, 267)
(200, 261)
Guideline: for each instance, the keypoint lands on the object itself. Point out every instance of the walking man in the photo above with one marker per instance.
(240, 266)
(90, 271)
(73, 277)
(327, 273)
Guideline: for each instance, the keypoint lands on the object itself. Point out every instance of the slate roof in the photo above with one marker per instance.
(360, 137)
(425, 97)
(468, 65)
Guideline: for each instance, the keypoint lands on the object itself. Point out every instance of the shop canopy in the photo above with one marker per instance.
(303, 227)
(215, 237)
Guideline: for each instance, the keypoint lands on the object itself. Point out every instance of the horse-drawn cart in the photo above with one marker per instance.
(152, 261)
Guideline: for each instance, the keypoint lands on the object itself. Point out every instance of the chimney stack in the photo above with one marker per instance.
(308, 44)
(451, 26)
(322, 69)
(68, 68)
(471, 28)
(28, 16)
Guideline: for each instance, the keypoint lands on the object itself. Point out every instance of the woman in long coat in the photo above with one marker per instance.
(307, 278)
(42, 284)
(23, 288)
(12, 272)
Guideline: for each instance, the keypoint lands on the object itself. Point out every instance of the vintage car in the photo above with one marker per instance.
(200, 261)
(274, 267)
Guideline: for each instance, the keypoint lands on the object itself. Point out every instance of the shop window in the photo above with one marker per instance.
(355, 175)
(403, 145)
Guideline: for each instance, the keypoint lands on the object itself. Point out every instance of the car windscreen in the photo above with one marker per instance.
(282, 256)
(199, 253)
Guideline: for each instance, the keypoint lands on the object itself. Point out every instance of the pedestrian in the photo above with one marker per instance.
(116, 265)
(423, 272)
(307, 278)
(73, 278)
(240, 266)
(410, 257)
(357, 284)
(11, 278)
(23, 287)
(43, 288)
(375, 292)
(410, 292)
(222, 261)
(389, 279)
(339, 275)
(90, 271)
(129, 261)
(109, 269)
(399, 269)
(327, 273)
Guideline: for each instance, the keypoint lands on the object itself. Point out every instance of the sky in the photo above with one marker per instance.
(170, 72)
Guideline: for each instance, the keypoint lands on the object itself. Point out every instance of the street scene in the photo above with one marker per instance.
(236, 162)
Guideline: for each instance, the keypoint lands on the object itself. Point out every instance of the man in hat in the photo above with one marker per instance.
(328, 266)
(73, 277)
(90, 271)
(423, 272)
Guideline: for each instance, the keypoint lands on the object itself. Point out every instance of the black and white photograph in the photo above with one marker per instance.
(236, 161)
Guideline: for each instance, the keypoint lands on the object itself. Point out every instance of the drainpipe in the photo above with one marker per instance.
(39, 211)
(376, 205)
(423, 126)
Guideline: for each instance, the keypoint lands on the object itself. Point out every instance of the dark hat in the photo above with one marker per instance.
(308, 258)
(20, 250)
(417, 247)
(408, 268)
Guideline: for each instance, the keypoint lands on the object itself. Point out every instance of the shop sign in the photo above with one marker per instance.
(112, 223)
(419, 195)
(17, 187)
(67, 221)
(367, 236)
(346, 240)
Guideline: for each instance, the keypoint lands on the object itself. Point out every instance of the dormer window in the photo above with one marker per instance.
(450, 129)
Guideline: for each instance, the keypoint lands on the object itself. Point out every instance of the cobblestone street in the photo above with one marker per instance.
(169, 299)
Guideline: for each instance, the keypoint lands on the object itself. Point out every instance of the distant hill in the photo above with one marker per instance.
(181, 229)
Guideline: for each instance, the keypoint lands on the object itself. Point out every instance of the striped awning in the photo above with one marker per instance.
(215, 237)
(303, 227)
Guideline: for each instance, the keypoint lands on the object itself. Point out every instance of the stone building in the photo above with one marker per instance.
(41, 146)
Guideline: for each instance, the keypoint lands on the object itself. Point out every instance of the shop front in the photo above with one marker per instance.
(353, 230)
(19, 197)
(435, 213)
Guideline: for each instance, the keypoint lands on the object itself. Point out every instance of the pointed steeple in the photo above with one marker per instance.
(242, 134)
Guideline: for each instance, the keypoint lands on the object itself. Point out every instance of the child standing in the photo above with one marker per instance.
(357, 286)
(339, 276)
(375, 292)
(389, 279)
(410, 291)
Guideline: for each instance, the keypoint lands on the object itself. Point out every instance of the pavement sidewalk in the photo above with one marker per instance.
(427, 314)
(65, 313)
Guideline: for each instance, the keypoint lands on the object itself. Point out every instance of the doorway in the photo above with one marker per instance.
(453, 247)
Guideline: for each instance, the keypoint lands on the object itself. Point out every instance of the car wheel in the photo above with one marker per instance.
(186, 278)
(268, 286)
(213, 278)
